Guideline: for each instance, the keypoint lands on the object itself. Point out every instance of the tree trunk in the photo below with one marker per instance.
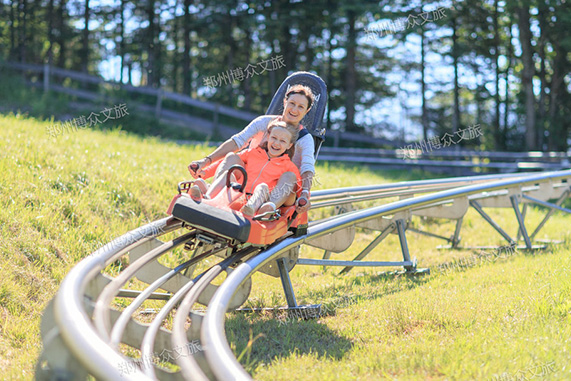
(62, 34)
(130, 72)
(308, 50)
(557, 131)
(186, 70)
(527, 76)
(456, 116)
(286, 46)
(151, 62)
(423, 82)
(329, 70)
(13, 32)
(497, 127)
(23, 13)
(31, 53)
(231, 43)
(509, 58)
(158, 69)
(176, 57)
(85, 39)
(122, 39)
(247, 84)
(50, 52)
(350, 74)
(542, 105)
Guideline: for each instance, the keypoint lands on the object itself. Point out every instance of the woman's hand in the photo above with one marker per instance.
(302, 204)
(196, 167)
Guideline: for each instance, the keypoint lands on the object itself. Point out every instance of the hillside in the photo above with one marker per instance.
(62, 198)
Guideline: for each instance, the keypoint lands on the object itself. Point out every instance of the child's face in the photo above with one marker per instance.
(279, 141)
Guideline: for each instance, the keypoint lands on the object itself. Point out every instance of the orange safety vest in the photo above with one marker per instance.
(262, 169)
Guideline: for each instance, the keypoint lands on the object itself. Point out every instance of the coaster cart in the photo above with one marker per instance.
(219, 227)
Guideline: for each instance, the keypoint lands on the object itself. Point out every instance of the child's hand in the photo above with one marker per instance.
(195, 168)
(302, 204)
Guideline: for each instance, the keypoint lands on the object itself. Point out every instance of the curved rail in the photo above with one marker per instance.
(95, 343)
(75, 325)
(220, 356)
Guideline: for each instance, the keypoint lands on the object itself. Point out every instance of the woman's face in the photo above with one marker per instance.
(279, 141)
(295, 108)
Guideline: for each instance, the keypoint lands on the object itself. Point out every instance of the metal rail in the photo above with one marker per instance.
(221, 359)
(93, 345)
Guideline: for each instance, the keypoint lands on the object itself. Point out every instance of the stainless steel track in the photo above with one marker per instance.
(220, 357)
(94, 343)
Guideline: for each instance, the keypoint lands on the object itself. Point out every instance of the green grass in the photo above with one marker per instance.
(63, 198)
(20, 97)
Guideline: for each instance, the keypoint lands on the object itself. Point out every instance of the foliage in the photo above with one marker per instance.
(475, 69)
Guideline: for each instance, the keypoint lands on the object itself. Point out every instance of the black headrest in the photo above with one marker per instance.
(311, 121)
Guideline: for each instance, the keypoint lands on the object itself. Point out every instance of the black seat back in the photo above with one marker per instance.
(312, 121)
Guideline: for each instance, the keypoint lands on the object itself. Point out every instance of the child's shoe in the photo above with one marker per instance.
(261, 195)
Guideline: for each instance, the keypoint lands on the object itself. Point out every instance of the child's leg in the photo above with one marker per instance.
(229, 160)
(218, 184)
(261, 194)
(283, 193)
(221, 173)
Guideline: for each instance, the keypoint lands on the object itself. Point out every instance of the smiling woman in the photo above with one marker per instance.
(297, 103)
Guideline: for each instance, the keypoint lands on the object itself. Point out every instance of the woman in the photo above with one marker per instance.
(264, 165)
(297, 103)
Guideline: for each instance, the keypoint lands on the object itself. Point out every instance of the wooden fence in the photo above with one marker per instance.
(455, 160)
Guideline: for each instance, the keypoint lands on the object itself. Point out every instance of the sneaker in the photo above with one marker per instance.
(267, 207)
(261, 195)
(202, 185)
(195, 193)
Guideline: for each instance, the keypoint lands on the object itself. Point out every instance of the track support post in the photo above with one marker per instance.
(389, 229)
(286, 283)
(404, 245)
(553, 208)
(520, 221)
(411, 270)
(476, 205)
(456, 237)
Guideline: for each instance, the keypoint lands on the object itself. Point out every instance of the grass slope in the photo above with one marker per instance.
(61, 199)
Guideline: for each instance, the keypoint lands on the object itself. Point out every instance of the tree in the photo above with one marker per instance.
(527, 74)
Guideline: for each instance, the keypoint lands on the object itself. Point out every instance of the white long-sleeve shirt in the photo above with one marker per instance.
(303, 157)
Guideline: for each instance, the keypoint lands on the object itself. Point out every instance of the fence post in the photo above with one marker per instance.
(46, 77)
(336, 139)
(159, 104)
(216, 107)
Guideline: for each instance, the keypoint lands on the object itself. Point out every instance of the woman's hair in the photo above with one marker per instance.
(303, 90)
(293, 130)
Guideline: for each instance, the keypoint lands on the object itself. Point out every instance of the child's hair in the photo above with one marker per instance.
(293, 130)
(303, 90)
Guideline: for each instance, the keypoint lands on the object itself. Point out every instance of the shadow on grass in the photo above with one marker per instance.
(276, 337)
(341, 296)
(274, 340)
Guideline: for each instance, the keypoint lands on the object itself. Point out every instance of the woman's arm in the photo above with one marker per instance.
(306, 147)
(231, 145)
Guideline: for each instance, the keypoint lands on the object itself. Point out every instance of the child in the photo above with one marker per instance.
(264, 165)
